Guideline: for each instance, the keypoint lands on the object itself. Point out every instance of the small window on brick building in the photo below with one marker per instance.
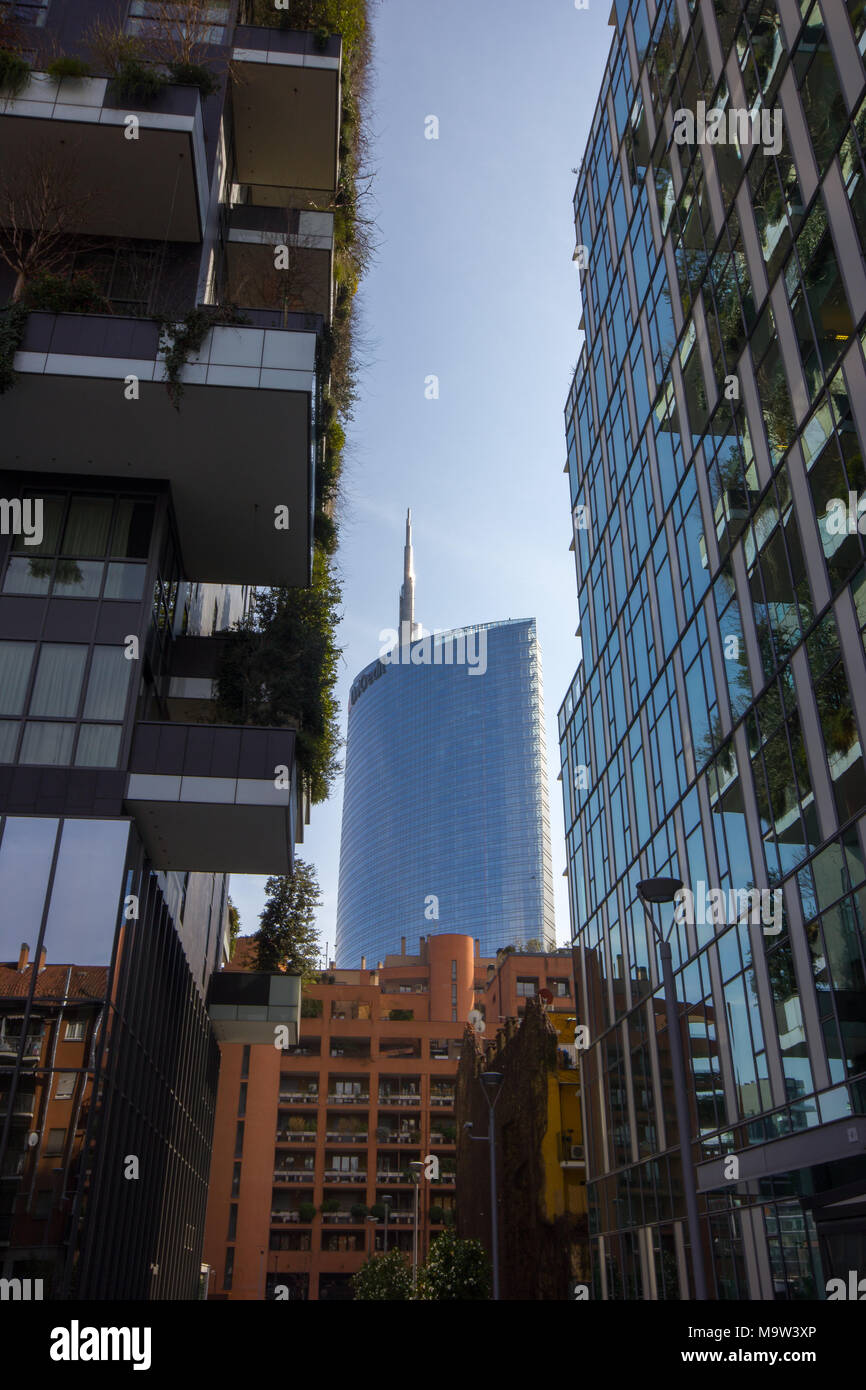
(527, 988)
(54, 1142)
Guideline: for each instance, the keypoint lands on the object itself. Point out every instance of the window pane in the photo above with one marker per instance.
(124, 581)
(108, 684)
(98, 745)
(25, 862)
(52, 516)
(47, 743)
(132, 528)
(27, 576)
(78, 578)
(8, 735)
(58, 680)
(87, 526)
(16, 658)
(85, 898)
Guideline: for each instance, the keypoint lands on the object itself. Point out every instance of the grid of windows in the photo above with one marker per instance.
(713, 729)
(446, 795)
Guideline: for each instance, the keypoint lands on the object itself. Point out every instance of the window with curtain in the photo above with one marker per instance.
(94, 527)
(107, 684)
(87, 526)
(49, 744)
(59, 676)
(16, 659)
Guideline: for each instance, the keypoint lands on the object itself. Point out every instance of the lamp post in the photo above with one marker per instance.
(664, 890)
(371, 1242)
(415, 1168)
(491, 1081)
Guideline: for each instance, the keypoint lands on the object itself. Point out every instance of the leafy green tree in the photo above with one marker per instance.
(383, 1278)
(280, 669)
(287, 937)
(234, 927)
(455, 1269)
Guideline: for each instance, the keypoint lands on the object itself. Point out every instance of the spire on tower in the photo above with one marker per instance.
(409, 630)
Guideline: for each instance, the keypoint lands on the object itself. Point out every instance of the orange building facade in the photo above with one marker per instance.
(313, 1144)
(56, 1038)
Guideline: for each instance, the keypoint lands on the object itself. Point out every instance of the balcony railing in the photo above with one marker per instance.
(398, 1098)
(295, 1136)
(302, 1175)
(348, 1100)
(333, 1137)
(299, 1097)
(331, 1177)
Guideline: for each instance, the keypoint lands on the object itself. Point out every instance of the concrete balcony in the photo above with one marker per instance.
(286, 111)
(204, 797)
(248, 1007)
(238, 447)
(252, 278)
(154, 186)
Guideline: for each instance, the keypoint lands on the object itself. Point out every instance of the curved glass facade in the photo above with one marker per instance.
(446, 807)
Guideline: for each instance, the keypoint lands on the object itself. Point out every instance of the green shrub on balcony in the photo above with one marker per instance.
(194, 75)
(311, 1008)
(137, 81)
(401, 1015)
(59, 68)
(379, 1210)
(14, 72)
(437, 1215)
(306, 1211)
(64, 294)
(280, 666)
(329, 1206)
(359, 1211)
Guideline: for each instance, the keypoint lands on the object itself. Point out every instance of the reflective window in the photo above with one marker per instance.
(26, 850)
(86, 894)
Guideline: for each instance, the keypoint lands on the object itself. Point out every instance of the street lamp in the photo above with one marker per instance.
(664, 890)
(415, 1168)
(491, 1082)
(371, 1242)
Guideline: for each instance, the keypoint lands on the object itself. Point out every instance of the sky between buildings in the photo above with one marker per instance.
(474, 283)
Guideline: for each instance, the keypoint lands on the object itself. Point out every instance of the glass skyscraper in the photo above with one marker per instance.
(713, 730)
(446, 822)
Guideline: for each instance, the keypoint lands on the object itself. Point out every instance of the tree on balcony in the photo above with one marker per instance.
(43, 202)
(287, 938)
(280, 668)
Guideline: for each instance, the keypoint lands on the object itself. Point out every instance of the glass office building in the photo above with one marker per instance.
(713, 732)
(446, 821)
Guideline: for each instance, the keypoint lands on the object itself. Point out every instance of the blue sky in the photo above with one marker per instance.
(473, 282)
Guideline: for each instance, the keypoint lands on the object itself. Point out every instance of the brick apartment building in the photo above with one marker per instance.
(313, 1145)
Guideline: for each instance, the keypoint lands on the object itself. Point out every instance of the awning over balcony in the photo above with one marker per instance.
(286, 105)
(238, 448)
(154, 185)
(247, 1007)
(214, 798)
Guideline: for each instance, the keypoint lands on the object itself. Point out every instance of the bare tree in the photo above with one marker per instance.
(42, 205)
